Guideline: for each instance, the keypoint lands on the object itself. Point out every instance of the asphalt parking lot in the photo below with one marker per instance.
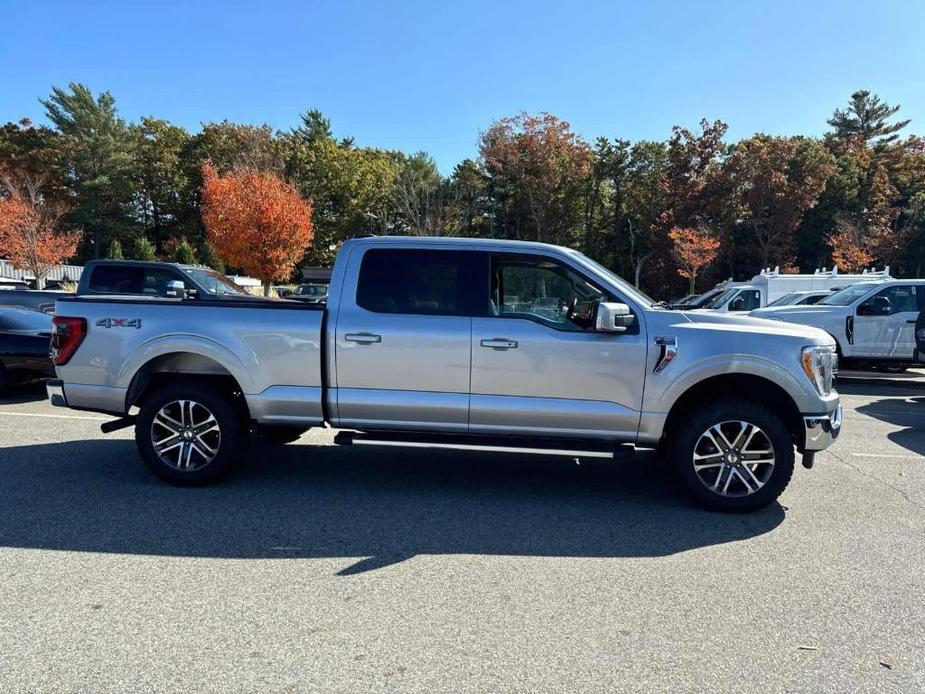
(346, 570)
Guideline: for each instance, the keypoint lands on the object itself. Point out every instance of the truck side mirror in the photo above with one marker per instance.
(176, 289)
(878, 306)
(613, 318)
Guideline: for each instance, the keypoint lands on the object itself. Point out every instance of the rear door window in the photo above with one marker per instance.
(135, 280)
(425, 282)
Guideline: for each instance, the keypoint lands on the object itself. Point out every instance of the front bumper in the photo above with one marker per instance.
(55, 390)
(822, 430)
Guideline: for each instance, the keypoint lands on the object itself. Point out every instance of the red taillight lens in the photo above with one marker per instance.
(66, 336)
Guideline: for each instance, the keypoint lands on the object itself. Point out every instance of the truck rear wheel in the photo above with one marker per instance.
(189, 433)
(733, 455)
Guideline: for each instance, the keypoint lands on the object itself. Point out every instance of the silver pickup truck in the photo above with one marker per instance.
(462, 343)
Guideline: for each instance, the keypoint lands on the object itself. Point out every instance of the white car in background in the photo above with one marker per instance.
(872, 322)
(791, 301)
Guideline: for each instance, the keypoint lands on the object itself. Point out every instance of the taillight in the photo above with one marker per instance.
(66, 336)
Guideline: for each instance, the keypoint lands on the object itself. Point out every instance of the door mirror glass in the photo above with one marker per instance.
(613, 317)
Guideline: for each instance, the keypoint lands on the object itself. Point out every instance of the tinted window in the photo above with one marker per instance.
(846, 296)
(116, 279)
(415, 281)
(902, 298)
(786, 300)
(128, 279)
(746, 300)
(538, 289)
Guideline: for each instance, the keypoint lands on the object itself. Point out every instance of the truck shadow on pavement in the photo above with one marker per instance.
(378, 506)
(902, 406)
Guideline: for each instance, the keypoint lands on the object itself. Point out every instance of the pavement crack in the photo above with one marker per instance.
(867, 474)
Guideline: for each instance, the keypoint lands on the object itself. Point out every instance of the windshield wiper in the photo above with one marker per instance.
(661, 304)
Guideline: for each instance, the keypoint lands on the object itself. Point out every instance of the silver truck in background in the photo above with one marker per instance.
(464, 343)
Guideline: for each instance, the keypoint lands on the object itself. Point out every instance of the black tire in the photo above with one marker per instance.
(228, 445)
(281, 434)
(687, 438)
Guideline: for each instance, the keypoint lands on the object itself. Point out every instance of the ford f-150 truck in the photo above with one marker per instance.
(464, 343)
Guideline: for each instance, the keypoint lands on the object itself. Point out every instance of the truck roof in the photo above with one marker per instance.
(460, 241)
(143, 263)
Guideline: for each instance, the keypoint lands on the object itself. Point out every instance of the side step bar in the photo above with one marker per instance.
(489, 444)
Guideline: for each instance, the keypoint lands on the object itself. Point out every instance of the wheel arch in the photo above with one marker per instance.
(171, 366)
(737, 386)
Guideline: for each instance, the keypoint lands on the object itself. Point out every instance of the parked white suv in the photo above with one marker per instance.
(870, 321)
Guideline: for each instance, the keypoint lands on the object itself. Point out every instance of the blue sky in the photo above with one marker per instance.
(430, 75)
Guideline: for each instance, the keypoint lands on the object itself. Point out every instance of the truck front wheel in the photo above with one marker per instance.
(189, 433)
(733, 455)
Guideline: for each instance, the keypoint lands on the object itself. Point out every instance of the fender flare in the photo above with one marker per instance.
(173, 344)
(722, 365)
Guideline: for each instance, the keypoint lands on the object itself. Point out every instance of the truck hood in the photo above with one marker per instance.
(724, 322)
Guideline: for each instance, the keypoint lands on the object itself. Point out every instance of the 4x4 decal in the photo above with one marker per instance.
(119, 323)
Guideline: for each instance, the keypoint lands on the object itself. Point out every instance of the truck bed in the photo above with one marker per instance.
(273, 350)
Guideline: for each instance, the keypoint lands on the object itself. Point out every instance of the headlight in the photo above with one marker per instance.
(820, 364)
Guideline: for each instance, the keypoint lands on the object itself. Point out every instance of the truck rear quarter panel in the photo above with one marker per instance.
(274, 353)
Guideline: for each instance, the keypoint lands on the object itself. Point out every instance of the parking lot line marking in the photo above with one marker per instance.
(53, 416)
(885, 455)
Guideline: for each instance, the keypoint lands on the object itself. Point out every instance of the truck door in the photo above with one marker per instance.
(402, 336)
(884, 324)
(536, 371)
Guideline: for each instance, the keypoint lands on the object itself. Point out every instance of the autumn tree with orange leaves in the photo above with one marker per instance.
(31, 236)
(693, 250)
(256, 221)
(547, 165)
(849, 251)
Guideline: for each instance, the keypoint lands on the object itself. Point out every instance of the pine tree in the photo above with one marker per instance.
(100, 163)
(866, 118)
(314, 127)
(144, 249)
(209, 258)
(184, 253)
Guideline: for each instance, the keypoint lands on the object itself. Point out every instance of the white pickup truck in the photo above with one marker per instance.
(873, 323)
(463, 343)
(770, 285)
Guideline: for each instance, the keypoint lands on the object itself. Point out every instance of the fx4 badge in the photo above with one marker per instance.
(669, 351)
(119, 323)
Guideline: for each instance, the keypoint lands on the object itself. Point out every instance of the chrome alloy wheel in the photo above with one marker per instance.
(734, 458)
(185, 435)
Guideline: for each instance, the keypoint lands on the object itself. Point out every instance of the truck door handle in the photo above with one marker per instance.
(363, 338)
(912, 321)
(500, 343)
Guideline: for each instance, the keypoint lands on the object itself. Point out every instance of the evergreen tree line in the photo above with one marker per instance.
(854, 197)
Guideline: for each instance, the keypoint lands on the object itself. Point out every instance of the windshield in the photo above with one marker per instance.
(786, 299)
(721, 298)
(20, 320)
(213, 282)
(848, 295)
(624, 286)
(312, 290)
